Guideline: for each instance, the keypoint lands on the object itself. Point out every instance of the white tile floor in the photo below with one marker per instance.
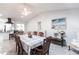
(8, 48)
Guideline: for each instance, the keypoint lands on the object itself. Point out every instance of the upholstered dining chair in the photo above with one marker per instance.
(15, 35)
(19, 46)
(35, 33)
(41, 34)
(11, 35)
(44, 49)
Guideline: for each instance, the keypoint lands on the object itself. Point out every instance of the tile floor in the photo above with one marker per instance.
(8, 48)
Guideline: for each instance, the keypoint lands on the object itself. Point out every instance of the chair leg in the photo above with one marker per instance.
(16, 48)
(18, 52)
(32, 52)
(9, 37)
(47, 52)
(22, 51)
(69, 48)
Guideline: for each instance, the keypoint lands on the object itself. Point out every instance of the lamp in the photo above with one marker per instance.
(25, 10)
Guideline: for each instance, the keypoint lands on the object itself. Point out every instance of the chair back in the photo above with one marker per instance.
(18, 42)
(35, 33)
(46, 45)
(41, 34)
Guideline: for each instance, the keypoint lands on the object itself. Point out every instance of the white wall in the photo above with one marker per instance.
(72, 21)
(21, 22)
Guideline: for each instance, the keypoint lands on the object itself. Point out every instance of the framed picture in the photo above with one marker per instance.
(59, 23)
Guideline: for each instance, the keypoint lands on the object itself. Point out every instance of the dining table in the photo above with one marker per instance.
(31, 43)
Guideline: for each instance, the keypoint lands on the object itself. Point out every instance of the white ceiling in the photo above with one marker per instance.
(12, 9)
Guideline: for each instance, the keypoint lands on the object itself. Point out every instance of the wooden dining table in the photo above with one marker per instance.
(31, 43)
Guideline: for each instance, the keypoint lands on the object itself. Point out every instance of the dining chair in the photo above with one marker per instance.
(44, 49)
(15, 35)
(41, 34)
(29, 33)
(11, 35)
(35, 33)
(19, 46)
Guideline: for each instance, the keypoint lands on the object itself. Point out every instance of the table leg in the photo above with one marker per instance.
(69, 48)
(29, 51)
